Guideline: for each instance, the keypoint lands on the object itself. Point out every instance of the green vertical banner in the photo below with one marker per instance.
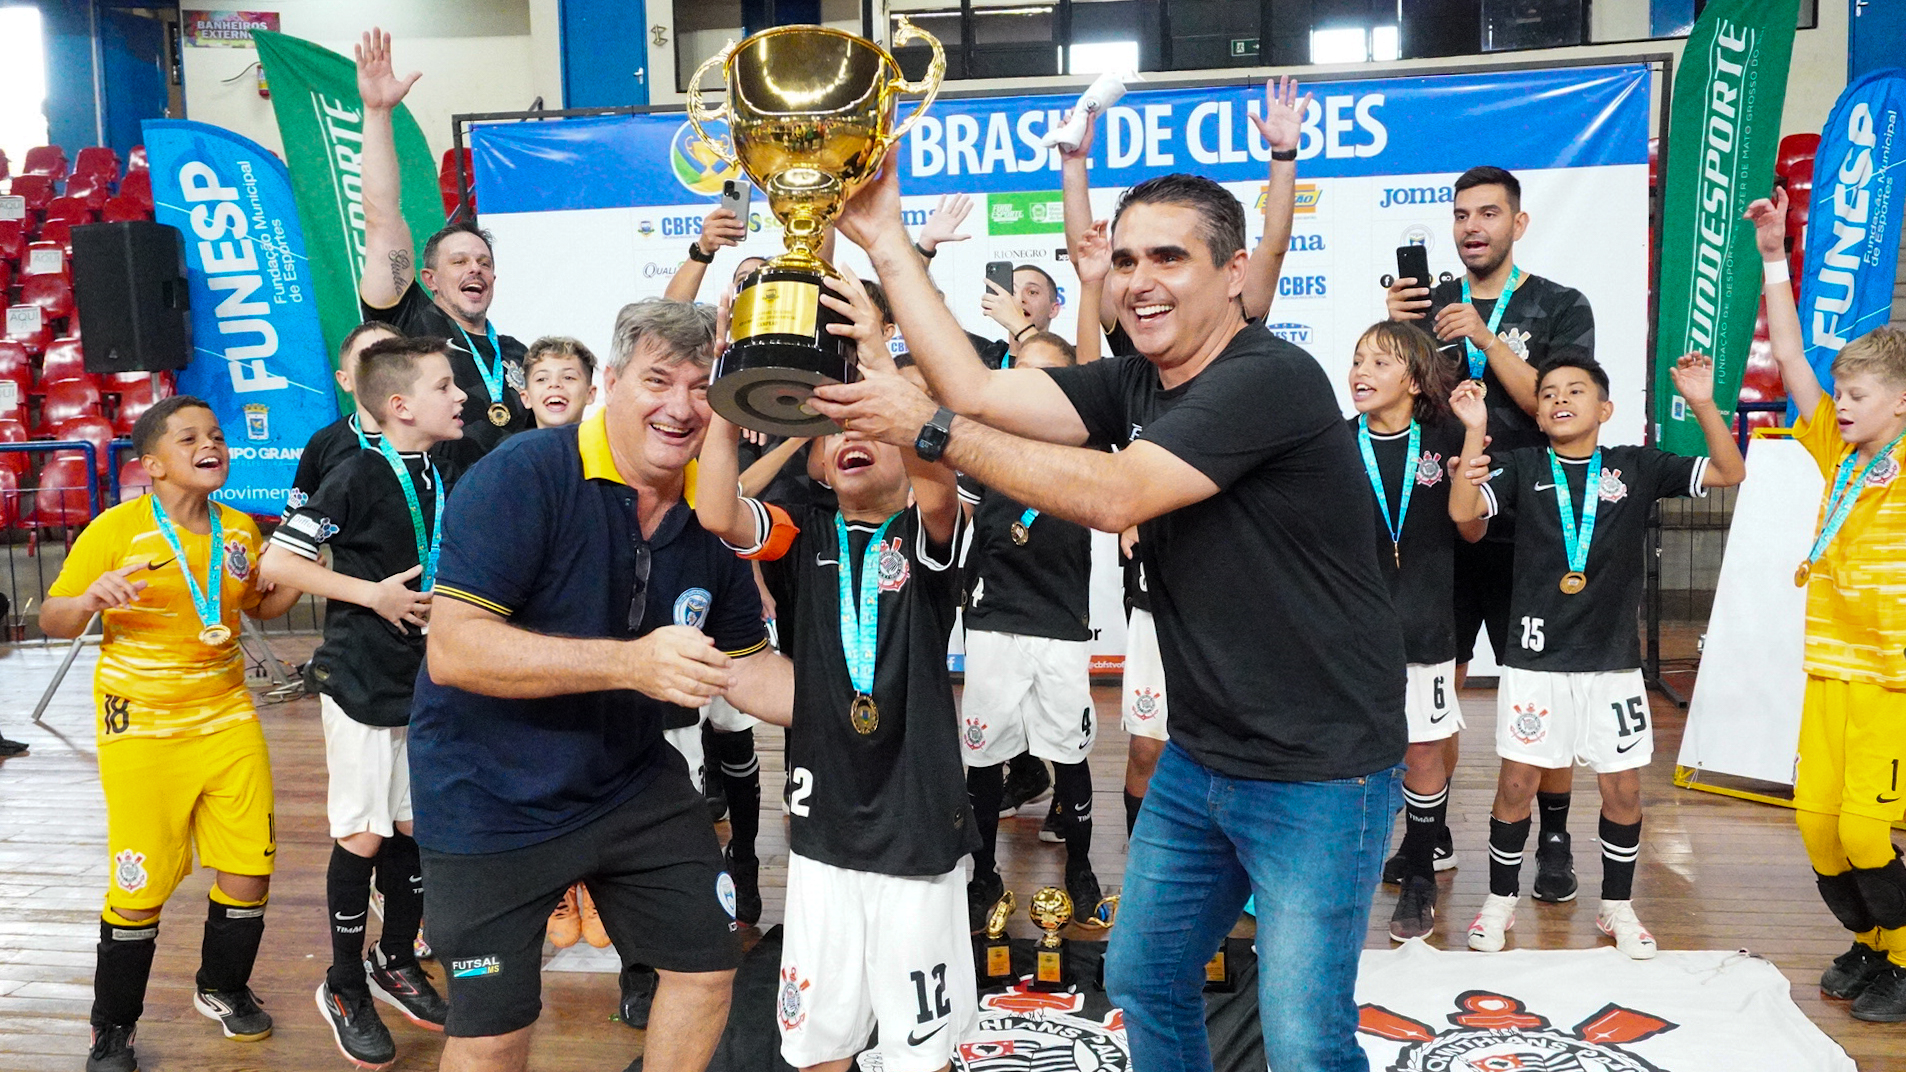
(1723, 134)
(321, 119)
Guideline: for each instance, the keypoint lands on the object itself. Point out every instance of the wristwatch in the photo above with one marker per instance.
(932, 438)
(695, 254)
(1286, 155)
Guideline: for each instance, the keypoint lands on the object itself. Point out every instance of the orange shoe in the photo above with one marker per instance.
(565, 923)
(592, 931)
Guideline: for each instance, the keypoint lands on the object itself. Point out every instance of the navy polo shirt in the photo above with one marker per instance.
(543, 532)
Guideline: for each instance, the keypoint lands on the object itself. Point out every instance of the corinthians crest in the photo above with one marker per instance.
(1496, 1033)
(1023, 1031)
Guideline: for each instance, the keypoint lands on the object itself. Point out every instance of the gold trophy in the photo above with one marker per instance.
(1051, 910)
(810, 114)
(993, 951)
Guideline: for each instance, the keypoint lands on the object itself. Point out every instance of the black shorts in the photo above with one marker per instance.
(653, 867)
(1484, 580)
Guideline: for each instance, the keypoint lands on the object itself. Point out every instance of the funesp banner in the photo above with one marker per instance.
(258, 355)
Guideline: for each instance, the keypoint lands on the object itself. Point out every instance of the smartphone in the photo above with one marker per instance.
(1000, 272)
(1412, 262)
(735, 195)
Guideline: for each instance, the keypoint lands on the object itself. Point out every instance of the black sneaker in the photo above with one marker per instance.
(1027, 780)
(237, 1013)
(1393, 869)
(1049, 831)
(1444, 859)
(713, 796)
(746, 874)
(1884, 999)
(1082, 885)
(1554, 870)
(1852, 971)
(112, 1049)
(638, 993)
(406, 988)
(9, 749)
(1415, 914)
(982, 893)
(361, 1037)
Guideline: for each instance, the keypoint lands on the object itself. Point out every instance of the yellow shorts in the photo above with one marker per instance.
(166, 796)
(1852, 745)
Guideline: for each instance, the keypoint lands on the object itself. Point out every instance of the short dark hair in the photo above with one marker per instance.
(1488, 175)
(362, 330)
(1051, 284)
(389, 367)
(881, 302)
(1047, 338)
(1221, 218)
(459, 227)
(150, 427)
(1575, 359)
(560, 346)
(1435, 375)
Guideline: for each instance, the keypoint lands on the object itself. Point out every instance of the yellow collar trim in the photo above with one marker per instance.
(598, 461)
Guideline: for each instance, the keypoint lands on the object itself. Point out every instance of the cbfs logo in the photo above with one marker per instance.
(1302, 286)
(1397, 196)
(695, 163)
(1496, 1033)
(1294, 333)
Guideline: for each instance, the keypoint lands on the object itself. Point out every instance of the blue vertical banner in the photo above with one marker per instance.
(258, 354)
(1853, 225)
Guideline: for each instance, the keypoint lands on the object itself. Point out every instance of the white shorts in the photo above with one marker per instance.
(727, 718)
(688, 741)
(1144, 684)
(860, 950)
(1429, 702)
(1026, 694)
(1600, 720)
(369, 789)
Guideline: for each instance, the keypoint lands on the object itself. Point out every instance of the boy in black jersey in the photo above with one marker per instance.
(876, 918)
(336, 442)
(1407, 435)
(379, 512)
(1571, 688)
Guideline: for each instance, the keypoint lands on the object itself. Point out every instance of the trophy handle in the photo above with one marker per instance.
(699, 113)
(905, 30)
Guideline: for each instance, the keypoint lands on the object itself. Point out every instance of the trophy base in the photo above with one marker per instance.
(1052, 969)
(781, 351)
(993, 961)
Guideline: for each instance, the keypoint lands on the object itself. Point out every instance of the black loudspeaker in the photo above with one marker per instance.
(129, 286)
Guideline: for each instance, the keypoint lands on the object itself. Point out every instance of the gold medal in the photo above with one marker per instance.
(1020, 533)
(864, 714)
(499, 414)
(1573, 581)
(1481, 387)
(215, 635)
(1801, 573)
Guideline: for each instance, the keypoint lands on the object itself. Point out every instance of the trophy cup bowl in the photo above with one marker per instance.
(1051, 910)
(810, 114)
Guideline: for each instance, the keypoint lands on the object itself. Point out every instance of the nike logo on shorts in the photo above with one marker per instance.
(913, 1040)
(1434, 719)
(1626, 747)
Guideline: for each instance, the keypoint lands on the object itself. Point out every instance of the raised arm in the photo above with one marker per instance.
(717, 490)
(1282, 128)
(720, 228)
(1466, 506)
(388, 266)
(1092, 260)
(1769, 216)
(762, 473)
(1693, 378)
(944, 225)
(1076, 190)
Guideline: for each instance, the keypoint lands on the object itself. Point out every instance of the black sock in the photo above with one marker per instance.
(230, 947)
(400, 878)
(985, 786)
(1423, 817)
(347, 895)
(1884, 891)
(740, 772)
(119, 980)
(1621, 845)
(1506, 841)
(1072, 792)
(1553, 808)
(1132, 804)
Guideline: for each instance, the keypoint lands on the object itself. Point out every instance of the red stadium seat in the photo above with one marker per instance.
(9, 497)
(16, 375)
(133, 403)
(122, 209)
(1795, 147)
(64, 401)
(26, 325)
(19, 463)
(65, 360)
(37, 189)
(12, 241)
(44, 258)
(63, 498)
(48, 160)
(136, 160)
(4, 166)
(52, 293)
(96, 160)
(58, 233)
(133, 481)
(6, 275)
(92, 189)
(95, 430)
(138, 186)
(447, 181)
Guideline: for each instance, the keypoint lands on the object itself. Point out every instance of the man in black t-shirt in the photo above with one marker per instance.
(459, 269)
(1282, 653)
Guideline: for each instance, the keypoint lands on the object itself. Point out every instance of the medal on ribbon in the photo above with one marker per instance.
(429, 544)
(860, 622)
(1478, 361)
(205, 601)
(491, 371)
(1410, 462)
(1576, 539)
(1839, 505)
(1022, 529)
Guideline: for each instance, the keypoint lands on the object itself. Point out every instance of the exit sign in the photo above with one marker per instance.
(1243, 46)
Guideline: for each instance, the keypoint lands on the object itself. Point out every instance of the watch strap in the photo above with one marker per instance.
(695, 254)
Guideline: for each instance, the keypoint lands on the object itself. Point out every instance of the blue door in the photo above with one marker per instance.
(605, 53)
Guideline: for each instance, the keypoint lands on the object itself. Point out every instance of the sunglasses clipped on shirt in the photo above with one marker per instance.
(639, 595)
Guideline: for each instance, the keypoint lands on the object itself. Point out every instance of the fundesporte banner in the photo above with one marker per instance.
(258, 354)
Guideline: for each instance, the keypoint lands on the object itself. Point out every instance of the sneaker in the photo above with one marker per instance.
(638, 993)
(1491, 927)
(713, 796)
(592, 931)
(9, 749)
(1445, 855)
(1884, 999)
(112, 1049)
(982, 893)
(1415, 913)
(421, 947)
(1617, 920)
(1082, 885)
(237, 1013)
(1852, 971)
(1393, 870)
(746, 874)
(406, 988)
(361, 1037)
(1049, 831)
(1554, 870)
(1027, 781)
(565, 923)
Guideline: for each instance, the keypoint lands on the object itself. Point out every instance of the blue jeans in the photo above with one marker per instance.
(1310, 851)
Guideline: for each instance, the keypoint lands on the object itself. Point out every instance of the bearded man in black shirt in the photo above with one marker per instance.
(1282, 654)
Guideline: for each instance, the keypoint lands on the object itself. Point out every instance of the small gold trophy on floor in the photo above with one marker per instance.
(993, 951)
(1051, 910)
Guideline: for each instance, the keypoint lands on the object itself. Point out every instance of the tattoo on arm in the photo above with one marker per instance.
(399, 268)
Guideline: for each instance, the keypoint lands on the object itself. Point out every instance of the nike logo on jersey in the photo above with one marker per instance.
(1544, 487)
(819, 561)
(1626, 747)
(915, 1040)
(1881, 798)
(342, 918)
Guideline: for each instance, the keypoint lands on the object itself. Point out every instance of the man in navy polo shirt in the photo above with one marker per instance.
(582, 601)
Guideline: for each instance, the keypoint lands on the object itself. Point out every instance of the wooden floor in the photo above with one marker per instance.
(1716, 873)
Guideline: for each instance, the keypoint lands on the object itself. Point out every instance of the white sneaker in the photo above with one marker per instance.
(1493, 924)
(1617, 920)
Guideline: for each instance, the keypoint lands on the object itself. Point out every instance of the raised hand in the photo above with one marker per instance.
(873, 212)
(1282, 124)
(944, 224)
(1084, 151)
(1407, 299)
(1693, 378)
(1003, 308)
(864, 325)
(721, 228)
(1468, 402)
(1093, 258)
(377, 83)
(1769, 217)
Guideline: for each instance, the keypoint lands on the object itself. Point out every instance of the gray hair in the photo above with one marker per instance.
(685, 330)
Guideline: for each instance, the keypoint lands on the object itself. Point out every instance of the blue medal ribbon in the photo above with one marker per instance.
(492, 372)
(429, 546)
(1576, 539)
(205, 601)
(1411, 460)
(1477, 359)
(860, 619)
(362, 442)
(1840, 502)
